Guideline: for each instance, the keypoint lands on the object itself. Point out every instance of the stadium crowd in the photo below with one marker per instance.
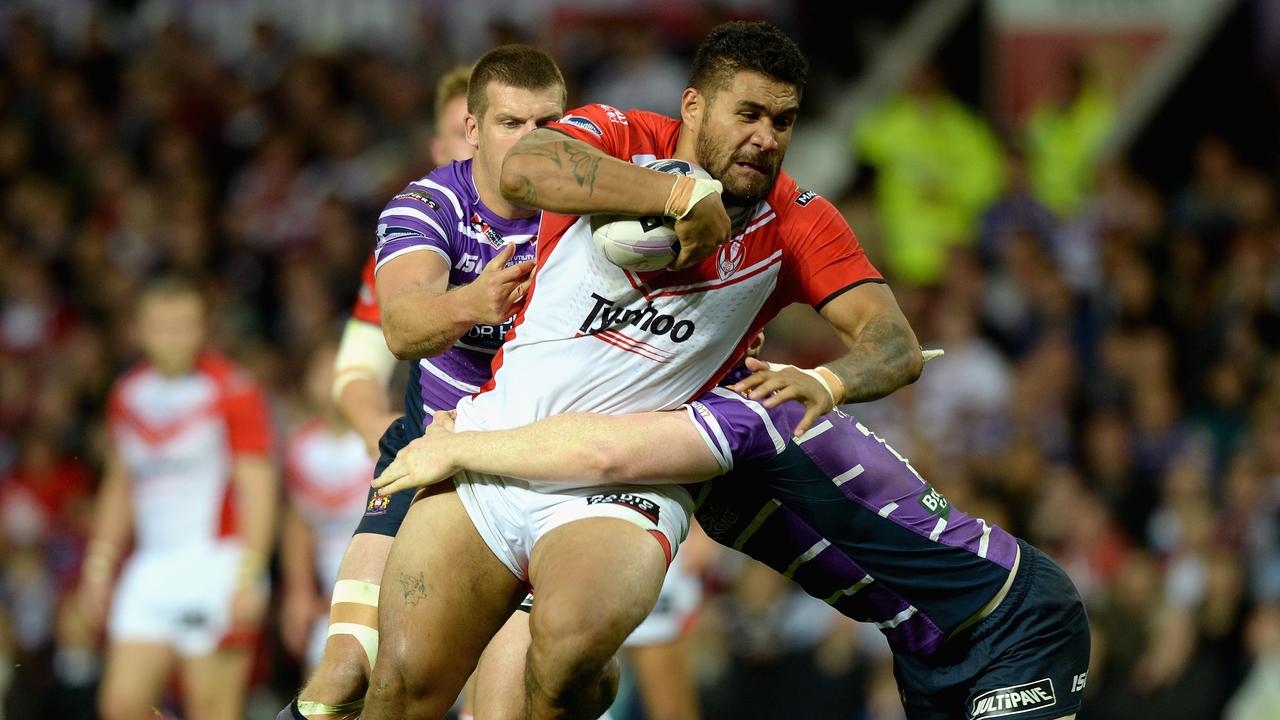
(1110, 389)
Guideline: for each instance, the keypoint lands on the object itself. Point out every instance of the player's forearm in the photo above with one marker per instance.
(551, 171)
(425, 324)
(112, 523)
(297, 548)
(590, 449)
(884, 357)
(256, 499)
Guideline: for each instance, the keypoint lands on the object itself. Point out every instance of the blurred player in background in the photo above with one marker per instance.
(190, 480)
(461, 259)
(326, 479)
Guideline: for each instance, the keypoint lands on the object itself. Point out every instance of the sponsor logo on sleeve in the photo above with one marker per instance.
(935, 502)
(421, 196)
(805, 197)
(1013, 700)
(584, 123)
(644, 506)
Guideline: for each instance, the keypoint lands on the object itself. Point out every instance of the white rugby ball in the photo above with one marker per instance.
(642, 244)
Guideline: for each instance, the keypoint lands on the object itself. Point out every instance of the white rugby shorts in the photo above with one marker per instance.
(180, 597)
(512, 516)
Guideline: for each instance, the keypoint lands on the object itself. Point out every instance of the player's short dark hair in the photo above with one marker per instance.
(518, 66)
(449, 86)
(757, 46)
(168, 285)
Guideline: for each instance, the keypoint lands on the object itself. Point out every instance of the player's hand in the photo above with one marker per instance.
(496, 291)
(704, 228)
(297, 614)
(248, 605)
(425, 461)
(773, 385)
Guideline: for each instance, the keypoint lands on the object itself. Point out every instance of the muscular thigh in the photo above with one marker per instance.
(444, 594)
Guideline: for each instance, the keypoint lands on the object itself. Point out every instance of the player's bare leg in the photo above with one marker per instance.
(497, 688)
(662, 676)
(135, 677)
(444, 595)
(336, 689)
(214, 686)
(596, 580)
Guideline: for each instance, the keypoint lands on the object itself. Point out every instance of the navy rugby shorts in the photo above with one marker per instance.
(1027, 660)
(383, 515)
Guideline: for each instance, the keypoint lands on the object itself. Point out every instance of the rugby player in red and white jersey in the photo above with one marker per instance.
(594, 338)
(190, 480)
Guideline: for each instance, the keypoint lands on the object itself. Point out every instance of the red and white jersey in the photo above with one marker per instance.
(327, 478)
(177, 438)
(595, 338)
(366, 307)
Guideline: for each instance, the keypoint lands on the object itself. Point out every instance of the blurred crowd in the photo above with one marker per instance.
(1110, 389)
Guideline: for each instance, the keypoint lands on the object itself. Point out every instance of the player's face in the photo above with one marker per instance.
(171, 331)
(450, 141)
(512, 114)
(743, 132)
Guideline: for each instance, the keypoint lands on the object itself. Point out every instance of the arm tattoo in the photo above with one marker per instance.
(538, 148)
(878, 364)
(526, 195)
(585, 164)
(415, 588)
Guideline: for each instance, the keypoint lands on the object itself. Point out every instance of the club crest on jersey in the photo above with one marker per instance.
(421, 196)
(378, 505)
(729, 259)
(1014, 700)
(645, 507)
(479, 225)
(584, 123)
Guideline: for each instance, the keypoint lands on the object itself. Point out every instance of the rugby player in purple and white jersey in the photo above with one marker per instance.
(452, 261)
(981, 624)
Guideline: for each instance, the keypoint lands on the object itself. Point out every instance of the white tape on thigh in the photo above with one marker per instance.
(308, 708)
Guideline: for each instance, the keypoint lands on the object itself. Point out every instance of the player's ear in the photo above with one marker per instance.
(692, 105)
(471, 126)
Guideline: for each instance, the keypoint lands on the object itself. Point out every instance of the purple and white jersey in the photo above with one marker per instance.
(442, 213)
(844, 515)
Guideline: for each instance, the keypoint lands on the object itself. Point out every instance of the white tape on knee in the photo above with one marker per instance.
(365, 635)
(360, 593)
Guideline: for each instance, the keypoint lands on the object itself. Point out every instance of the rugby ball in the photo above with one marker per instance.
(642, 244)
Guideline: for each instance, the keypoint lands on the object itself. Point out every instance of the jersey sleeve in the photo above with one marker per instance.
(825, 258)
(601, 126)
(248, 419)
(417, 218)
(366, 307)
(736, 429)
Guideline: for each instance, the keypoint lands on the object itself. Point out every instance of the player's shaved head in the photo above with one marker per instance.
(517, 66)
(756, 46)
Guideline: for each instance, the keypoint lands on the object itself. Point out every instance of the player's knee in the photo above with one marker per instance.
(574, 650)
(341, 675)
(397, 688)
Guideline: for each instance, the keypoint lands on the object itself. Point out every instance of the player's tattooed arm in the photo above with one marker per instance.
(880, 362)
(551, 171)
(883, 352)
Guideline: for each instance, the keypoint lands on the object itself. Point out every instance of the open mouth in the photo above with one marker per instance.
(758, 169)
